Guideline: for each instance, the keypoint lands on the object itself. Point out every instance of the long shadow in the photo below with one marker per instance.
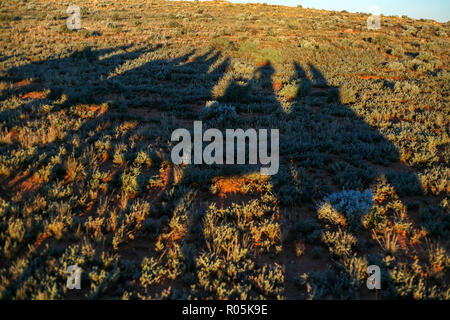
(92, 77)
(322, 135)
(324, 145)
(83, 78)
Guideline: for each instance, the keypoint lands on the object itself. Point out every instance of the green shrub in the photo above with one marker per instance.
(347, 95)
(396, 66)
(64, 29)
(221, 44)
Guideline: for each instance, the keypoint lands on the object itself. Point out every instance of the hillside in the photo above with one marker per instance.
(87, 178)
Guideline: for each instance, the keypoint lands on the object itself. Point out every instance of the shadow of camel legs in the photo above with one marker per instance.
(324, 148)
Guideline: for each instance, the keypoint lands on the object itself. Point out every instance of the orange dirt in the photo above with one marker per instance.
(31, 184)
(235, 185)
(348, 31)
(104, 157)
(96, 109)
(402, 239)
(12, 136)
(42, 238)
(111, 175)
(263, 63)
(277, 86)
(21, 84)
(25, 182)
(38, 241)
(34, 95)
(374, 77)
(165, 178)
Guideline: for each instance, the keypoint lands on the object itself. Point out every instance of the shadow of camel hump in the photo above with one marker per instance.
(319, 131)
(94, 80)
(325, 148)
(93, 100)
(71, 75)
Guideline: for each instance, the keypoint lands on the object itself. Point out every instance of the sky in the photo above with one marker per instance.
(438, 10)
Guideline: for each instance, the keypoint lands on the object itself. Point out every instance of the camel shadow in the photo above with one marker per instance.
(318, 133)
(324, 146)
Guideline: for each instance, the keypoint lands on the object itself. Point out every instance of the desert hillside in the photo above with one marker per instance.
(87, 178)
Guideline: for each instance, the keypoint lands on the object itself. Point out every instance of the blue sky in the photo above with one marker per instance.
(430, 9)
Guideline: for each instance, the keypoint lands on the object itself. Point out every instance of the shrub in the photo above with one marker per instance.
(221, 44)
(328, 284)
(396, 66)
(271, 54)
(352, 203)
(248, 47)
(398, 51)
(406, 88)
(340, 243)
(152, 272)
(327, 213)
(270, 281)
(381, 40)
(296, 89)
(309, 44)
(8, 17)
(64, 29)
(347, 95)
(219, 113)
